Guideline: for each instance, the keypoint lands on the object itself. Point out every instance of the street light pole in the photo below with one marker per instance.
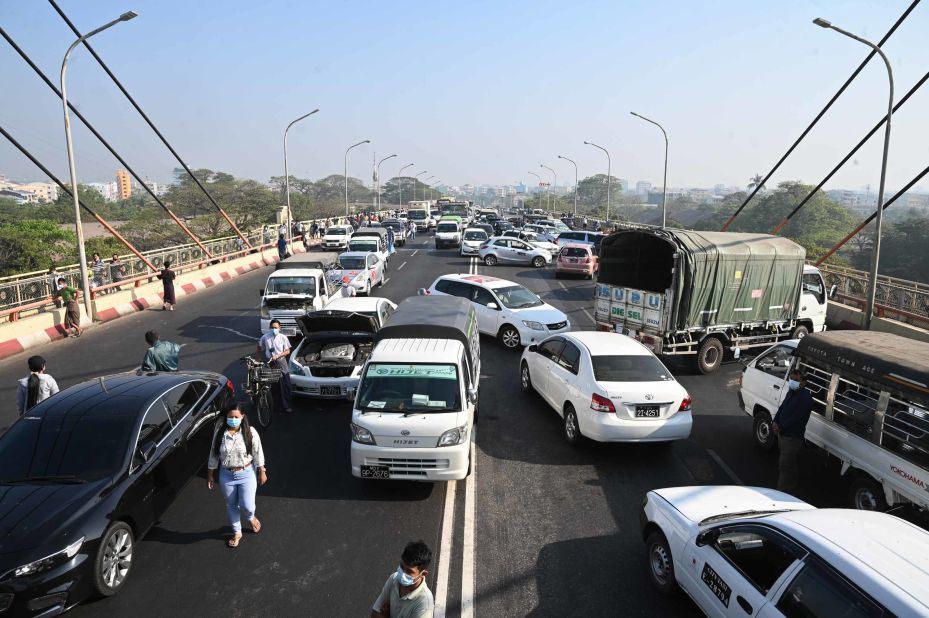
(377, 182)
(876, 251)
(400, 182)
(556, 185)
(415, 178)
(426, 184)
(664, 188)
(367, 141)
(82, 256)
(575, 181)
(540, 184)
(609, 176)
(287, 174)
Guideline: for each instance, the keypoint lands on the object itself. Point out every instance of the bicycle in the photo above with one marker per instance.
(259, 380)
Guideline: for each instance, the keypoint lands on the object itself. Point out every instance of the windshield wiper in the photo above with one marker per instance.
(742, 514)
(428, 410)
(68, 479)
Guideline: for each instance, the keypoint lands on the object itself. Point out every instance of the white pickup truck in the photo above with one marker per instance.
(295, 288)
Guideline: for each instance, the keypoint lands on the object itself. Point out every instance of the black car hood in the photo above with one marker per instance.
(32, 515)
(330, 320)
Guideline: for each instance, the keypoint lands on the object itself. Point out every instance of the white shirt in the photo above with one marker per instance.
(272, 345)
(233, 453)
(417, 604)
(47, 388)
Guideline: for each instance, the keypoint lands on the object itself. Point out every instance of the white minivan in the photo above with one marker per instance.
(416, 404)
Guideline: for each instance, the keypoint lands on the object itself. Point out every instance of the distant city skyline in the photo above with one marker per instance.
(523, 83)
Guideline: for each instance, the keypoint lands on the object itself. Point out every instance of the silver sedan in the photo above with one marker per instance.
(505, 250)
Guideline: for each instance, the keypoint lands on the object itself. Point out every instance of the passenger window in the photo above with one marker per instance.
(155, 425)
(817, 591)
(570, 357)
(813, 284)
(502, 243)
(551, 348)
(761, 555)
(443, 286)
(181, 399)
(483, 297)
(776, 362)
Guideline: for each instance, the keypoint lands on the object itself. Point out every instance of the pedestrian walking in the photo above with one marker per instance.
(282, 230)
(390, 241)
(236, 452)
(36, 387)
(314, 229)
(412, 230)
(167, 281)
(68, 296)
(405, 593)
(275, 348)
(281, 247)
(161, 355)
(790, 426)
(117, 271)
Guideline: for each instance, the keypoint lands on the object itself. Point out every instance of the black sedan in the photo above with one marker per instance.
(87, 472)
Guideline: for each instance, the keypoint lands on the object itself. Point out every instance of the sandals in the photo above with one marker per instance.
(234, 541)
(256, 525)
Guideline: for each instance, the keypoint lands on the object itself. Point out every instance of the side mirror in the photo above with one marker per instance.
(147, 451)
(493, 306)
(707, 537)
(832, 290)
(533, 348)
(350, 393)
(472, 395)
(261, 292)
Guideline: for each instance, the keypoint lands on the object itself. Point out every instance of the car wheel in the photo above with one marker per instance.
(509, 337)
(572, 429)
(538, 261)
(490, 260)
(660, 563)
(709, 355)
(114, 559)
(525, 380)
(763, 431)
(799, 332)
(866, 494)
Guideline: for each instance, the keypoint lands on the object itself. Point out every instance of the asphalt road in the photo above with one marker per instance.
(541, 528)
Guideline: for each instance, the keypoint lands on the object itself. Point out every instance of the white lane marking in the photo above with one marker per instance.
(467, 562)
(231, 330)
(588, 314)
(563, 286)
(722, 464)
(445, 550)
(414, 253)
(386, 280)
(401, 266)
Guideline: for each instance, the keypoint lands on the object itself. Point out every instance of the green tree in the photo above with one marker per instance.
(756, 181)
(33, 245)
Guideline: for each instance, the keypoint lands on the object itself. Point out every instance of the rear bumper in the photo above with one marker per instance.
(578, 269)
(448, 463)
(610, 428)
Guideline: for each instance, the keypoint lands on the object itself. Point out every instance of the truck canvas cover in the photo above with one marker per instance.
(370, 231)
(885, 358)
(434, 317)
(709, 278)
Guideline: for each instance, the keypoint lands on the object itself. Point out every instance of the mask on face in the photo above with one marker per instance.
(275, 331)
(233, 421)
(793, 385)
(404, 578)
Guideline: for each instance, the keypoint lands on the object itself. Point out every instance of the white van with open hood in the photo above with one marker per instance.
(416, 403)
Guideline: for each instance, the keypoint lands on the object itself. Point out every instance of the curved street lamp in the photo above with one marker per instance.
(575, 181)
(609, 176)
(664, 188)
(539, 184)
(400, 182)
(287, 174)
(549, 191)
(367, 141)
(415, 178)
(377, 187)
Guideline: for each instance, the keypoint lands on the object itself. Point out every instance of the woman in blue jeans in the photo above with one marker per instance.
(236, 453)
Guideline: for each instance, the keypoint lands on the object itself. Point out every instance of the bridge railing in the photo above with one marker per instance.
(907, 301)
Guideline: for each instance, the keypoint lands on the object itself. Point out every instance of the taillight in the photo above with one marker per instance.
(686, 405)
(585, 260)
(599, 403)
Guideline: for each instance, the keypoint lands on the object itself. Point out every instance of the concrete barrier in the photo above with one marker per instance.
(844, 317)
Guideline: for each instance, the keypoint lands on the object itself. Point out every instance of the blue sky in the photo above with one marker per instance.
(478, 92)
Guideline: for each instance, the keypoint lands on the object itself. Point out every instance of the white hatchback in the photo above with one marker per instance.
(607, 387)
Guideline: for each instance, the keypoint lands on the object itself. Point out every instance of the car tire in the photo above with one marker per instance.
(572, 429)
(509, 336)
(709, 355)
(866, 494)
(763, 432)
(660, 563)
(538, 261)
(799, 332)
(525, 380)
(113, 561)
(490, 260)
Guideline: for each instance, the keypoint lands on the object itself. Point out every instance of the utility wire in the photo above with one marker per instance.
(820, 114)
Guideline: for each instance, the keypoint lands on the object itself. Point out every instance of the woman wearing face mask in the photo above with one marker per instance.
(36, 387)
(236, 452)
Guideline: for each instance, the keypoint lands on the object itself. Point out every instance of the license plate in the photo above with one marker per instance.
(330, 390)
(375, 472)
(646, 412)
(572, 260)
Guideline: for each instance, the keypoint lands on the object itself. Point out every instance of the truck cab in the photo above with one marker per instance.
(292, 291)
(370, 239)
(813, 301)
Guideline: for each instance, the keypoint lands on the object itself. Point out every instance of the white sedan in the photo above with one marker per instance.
(607, 387)
(360, 269)
(751, 551)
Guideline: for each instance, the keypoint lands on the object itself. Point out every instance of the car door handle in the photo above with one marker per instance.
(776, 387)
(745, 605)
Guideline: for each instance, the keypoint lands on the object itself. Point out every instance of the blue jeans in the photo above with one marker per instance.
(239, 491)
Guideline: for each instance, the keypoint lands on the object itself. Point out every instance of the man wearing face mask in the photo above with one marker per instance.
(275, 348)
(790, 425)
(405, 594)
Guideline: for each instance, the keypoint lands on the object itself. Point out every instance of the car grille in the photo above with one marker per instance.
(410, 467)
(6, 599)
(557, 325)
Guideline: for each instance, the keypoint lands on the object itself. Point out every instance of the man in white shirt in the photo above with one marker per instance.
(406, 594)
(274, 347)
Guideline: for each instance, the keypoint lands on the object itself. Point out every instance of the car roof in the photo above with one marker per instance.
(357, 253)
(487, 281)
(424, 351)
(577, 245)
(355, 303)
(604, 344)
(475, 229)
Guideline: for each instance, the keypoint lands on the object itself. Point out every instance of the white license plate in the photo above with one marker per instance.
(646, 412)
(330, 390)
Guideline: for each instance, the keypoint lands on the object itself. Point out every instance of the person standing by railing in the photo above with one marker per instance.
(98, 267)
(167, 280)
(117, 271)
(68, 296)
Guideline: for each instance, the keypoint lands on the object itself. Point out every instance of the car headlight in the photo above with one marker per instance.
(359, 277)
(263, 311)
(50, 561)
(454, 436)
(361, 435)
(534, 325)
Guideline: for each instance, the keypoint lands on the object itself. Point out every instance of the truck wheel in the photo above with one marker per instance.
(799, 332)
(660, 563)
(763, 432)
(490, 260)
(709, 355)
(866, 494)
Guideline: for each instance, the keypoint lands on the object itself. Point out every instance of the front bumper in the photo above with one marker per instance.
(602, 427)
(50, 593)
(312, 386)
(467, 250)
(447, 463)
(528, 336)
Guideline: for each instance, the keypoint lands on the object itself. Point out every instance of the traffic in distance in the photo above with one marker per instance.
(87, 472)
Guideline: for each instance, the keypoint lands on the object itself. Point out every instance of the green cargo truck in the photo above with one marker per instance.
(703, 293)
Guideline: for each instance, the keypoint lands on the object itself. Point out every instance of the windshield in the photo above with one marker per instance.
(396, 387)
(576, 252)
(447, 227)
(417, 215)
(475, 235)
(77, 447)
(517, 297)
(363, 245)
(304, 286)
(352, 262)
(336, 231)
(632, 368)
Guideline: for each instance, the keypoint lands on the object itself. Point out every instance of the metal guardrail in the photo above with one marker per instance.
(908, 299)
